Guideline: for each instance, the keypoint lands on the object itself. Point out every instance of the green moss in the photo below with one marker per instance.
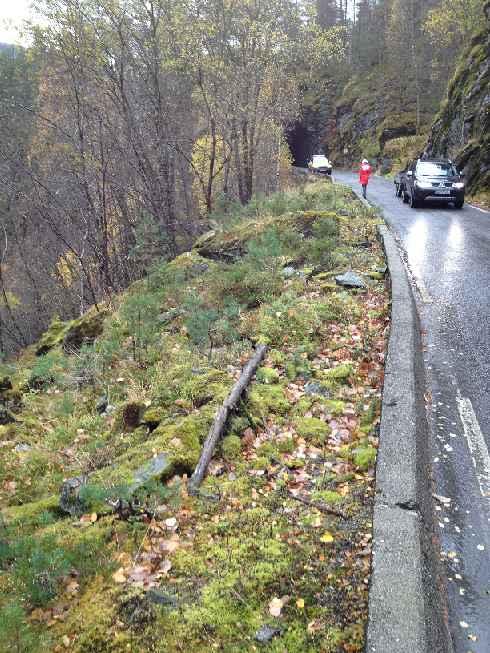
(341, 373)
(93, 622)
(182, 441)
(303, 405)
(327, 496)
(53, 336)
(264, 399)
(234, 243)
(85, 329)
(365, 457)
(311, 428)
(231, 447)
(286, 445)
(30, 513)
(277, 357)
(335, 407)
(74, 333)
(206, 385)
(154, 415)
(238, 424)
(267, 375)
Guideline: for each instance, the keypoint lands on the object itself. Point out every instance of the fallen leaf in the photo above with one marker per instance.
(300, 603)
(66, 641)
(89, 519)
(119, 576)
(72, 587)
(275, 607)
(326, 537)
(314, 626)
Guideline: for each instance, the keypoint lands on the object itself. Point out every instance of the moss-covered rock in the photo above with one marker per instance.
(153, 416)
(53, 336)
(85, 329)
(312, 429)
(206, 385)
(233, 244)
(339, 374)
(267, 375)
(73, 333)
(265, 399)
(327, 496)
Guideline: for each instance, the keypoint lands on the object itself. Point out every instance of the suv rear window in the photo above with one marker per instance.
(435, 169)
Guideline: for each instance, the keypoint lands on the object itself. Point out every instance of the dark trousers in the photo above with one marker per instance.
(364, 187)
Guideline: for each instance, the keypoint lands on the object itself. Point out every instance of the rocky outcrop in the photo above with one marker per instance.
(461, 131)
(73, 334)
(366, 122)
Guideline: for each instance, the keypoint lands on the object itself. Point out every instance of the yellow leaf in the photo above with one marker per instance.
(119, 576)
(300, 603)
(326, 537)
(66, 641)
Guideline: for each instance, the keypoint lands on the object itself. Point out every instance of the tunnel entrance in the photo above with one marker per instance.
(301, 144)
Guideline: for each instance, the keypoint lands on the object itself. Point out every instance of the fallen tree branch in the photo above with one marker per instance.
(318, 506)
(219, 424)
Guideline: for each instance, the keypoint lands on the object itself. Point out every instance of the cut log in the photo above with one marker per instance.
(219, 424)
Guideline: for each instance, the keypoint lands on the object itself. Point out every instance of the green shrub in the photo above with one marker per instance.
(139, 317)
(48, 369)
(16, 634)
(287, 320)
(207, 326)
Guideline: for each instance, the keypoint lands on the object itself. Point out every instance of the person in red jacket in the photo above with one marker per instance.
(364, 174)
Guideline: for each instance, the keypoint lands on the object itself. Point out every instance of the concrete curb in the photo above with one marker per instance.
(406, 602)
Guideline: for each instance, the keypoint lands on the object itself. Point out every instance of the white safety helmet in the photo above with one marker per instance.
(365, 161)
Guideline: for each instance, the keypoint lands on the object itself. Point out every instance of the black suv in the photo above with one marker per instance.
(434, 179)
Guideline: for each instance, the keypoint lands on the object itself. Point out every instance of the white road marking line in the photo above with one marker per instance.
(476, 443)
(477, 208)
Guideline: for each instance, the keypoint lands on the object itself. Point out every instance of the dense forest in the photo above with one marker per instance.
(128, 128)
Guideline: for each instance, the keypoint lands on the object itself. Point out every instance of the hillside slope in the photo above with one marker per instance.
(114, 407)
(462, 128)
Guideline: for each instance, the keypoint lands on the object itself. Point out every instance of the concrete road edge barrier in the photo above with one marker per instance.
(406, 599)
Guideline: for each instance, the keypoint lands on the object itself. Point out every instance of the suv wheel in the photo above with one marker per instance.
(413, 202)
(459, 204)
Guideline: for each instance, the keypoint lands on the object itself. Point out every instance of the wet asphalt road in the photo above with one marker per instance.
(447, 253)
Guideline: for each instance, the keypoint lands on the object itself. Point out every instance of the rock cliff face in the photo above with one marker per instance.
(461, 130)
(366, 122)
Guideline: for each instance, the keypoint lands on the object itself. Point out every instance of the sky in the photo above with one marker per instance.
(12, 12)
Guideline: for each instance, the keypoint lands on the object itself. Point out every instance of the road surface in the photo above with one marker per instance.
(447, 254)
